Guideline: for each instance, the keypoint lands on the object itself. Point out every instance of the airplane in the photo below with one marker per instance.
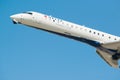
(107, 45)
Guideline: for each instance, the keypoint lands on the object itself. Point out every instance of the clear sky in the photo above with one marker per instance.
(30, 54)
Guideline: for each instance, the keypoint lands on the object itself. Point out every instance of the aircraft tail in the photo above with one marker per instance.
(108, 58)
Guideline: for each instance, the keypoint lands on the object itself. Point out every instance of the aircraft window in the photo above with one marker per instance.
(53, 20)
(90, 31)
(115, 39)
(98, 34)
(28, 13)
(94, 32)
(102, 34)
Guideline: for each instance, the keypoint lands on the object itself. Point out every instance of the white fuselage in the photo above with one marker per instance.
(107, 45)
(56, 25)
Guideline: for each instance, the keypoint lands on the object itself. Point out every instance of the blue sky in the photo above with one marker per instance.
(30, 54)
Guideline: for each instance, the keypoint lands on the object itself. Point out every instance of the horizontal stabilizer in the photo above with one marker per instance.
(108, 58)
